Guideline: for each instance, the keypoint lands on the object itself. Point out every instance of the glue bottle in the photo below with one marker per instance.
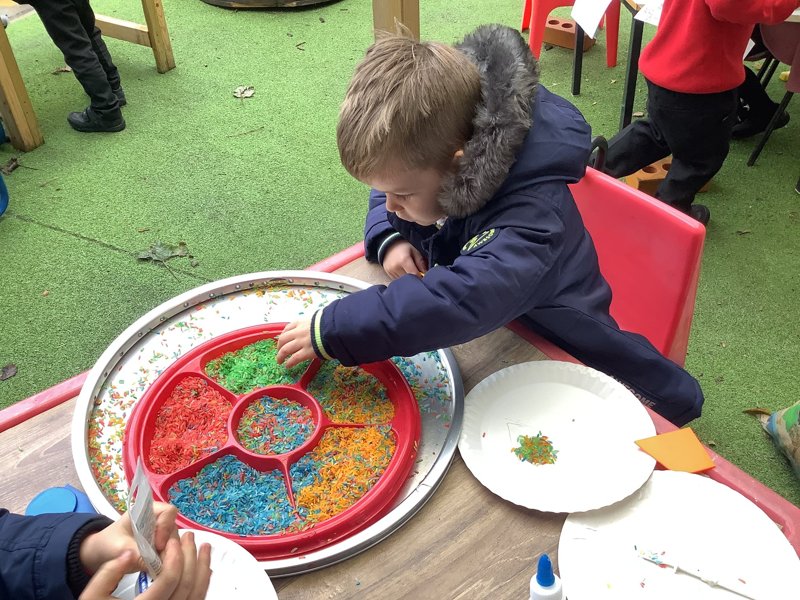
(545, 585)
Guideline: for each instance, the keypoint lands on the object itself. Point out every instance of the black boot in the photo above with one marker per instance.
(89, 121)
(700, 212)
(751, 126)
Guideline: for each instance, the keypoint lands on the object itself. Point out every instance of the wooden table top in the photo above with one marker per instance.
(464, 543)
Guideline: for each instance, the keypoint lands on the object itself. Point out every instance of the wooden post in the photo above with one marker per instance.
(15, 105)
(154, 34)
(159, 36)
(406, 12)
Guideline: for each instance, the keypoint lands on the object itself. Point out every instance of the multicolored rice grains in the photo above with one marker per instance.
(274, 425)
(230, 495)
(350, 395)
(535, 449)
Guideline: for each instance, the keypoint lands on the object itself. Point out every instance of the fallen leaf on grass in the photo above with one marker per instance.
(757, 411)
(613, 81)
(321, 20)
(161, 252)
(8, 372)
(194, 263)
(638, 114)
(64, 69)
(11, 166)
(142, 229)
(743, 231)
(244, 91)
(300, 45)
(46, 293)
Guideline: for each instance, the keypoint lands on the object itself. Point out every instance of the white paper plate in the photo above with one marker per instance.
(591, 419)
(236, 574)
(699, 522)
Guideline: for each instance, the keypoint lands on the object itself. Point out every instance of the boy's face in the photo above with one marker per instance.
(411, 194)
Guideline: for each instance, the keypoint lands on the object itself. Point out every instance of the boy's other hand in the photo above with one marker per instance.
(294, 344)
(402, 258)
(103, 546)
(185, 575)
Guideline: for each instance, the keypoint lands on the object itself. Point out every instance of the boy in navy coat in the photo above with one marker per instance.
(469, 158)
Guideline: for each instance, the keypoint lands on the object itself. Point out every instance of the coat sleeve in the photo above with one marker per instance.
(752, 11)
(377, 229)
(480, 292)
(35, 557)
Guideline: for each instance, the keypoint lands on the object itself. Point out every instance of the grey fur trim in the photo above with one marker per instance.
(509, 75)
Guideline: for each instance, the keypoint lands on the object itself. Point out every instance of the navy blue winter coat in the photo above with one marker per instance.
(513, 246)
(39, 555)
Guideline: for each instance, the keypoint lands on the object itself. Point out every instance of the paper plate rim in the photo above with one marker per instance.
(692, 486)
(556, 372)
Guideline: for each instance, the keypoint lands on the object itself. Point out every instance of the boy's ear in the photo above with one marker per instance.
(457, 156)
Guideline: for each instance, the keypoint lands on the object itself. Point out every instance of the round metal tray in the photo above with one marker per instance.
(138, 356)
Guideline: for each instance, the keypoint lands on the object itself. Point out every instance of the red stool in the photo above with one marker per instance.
(535, 17)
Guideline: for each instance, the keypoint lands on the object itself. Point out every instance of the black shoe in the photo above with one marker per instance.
(749, 127)
(89, 121)
(120, 94)
(700, 212)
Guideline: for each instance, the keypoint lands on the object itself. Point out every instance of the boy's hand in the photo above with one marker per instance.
(294, 344)
(402, 258)
(109, 543)
(185, 575)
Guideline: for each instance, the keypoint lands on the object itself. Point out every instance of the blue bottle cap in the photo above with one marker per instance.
(52, 500)
(544, 572)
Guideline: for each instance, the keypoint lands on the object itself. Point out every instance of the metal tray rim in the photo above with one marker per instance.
(168, 309)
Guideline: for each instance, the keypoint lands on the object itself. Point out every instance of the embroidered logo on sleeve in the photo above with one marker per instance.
(478, 241)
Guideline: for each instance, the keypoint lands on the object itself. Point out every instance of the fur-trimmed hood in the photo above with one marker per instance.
(521, 132)
(509, 75)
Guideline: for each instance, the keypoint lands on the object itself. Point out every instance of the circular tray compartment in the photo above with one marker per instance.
(291, 389)
(140, 354)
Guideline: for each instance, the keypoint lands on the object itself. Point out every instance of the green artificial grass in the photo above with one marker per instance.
(256, 184)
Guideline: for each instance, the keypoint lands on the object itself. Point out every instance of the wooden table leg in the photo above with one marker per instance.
(15, 105)
(385, 12)
(159, 36)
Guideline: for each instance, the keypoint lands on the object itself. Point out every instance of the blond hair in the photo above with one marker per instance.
(409, 105)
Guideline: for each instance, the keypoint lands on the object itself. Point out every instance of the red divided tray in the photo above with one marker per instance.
(405, 427)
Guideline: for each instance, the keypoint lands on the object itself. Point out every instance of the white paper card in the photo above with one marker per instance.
(651, 12)
(143, 520)
(588, 13)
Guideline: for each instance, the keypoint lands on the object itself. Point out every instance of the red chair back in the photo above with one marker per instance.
(650, 255)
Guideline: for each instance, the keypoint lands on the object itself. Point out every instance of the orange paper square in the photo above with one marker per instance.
(678, 450)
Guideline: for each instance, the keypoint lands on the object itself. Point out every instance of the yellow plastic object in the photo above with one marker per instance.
(678, 450)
